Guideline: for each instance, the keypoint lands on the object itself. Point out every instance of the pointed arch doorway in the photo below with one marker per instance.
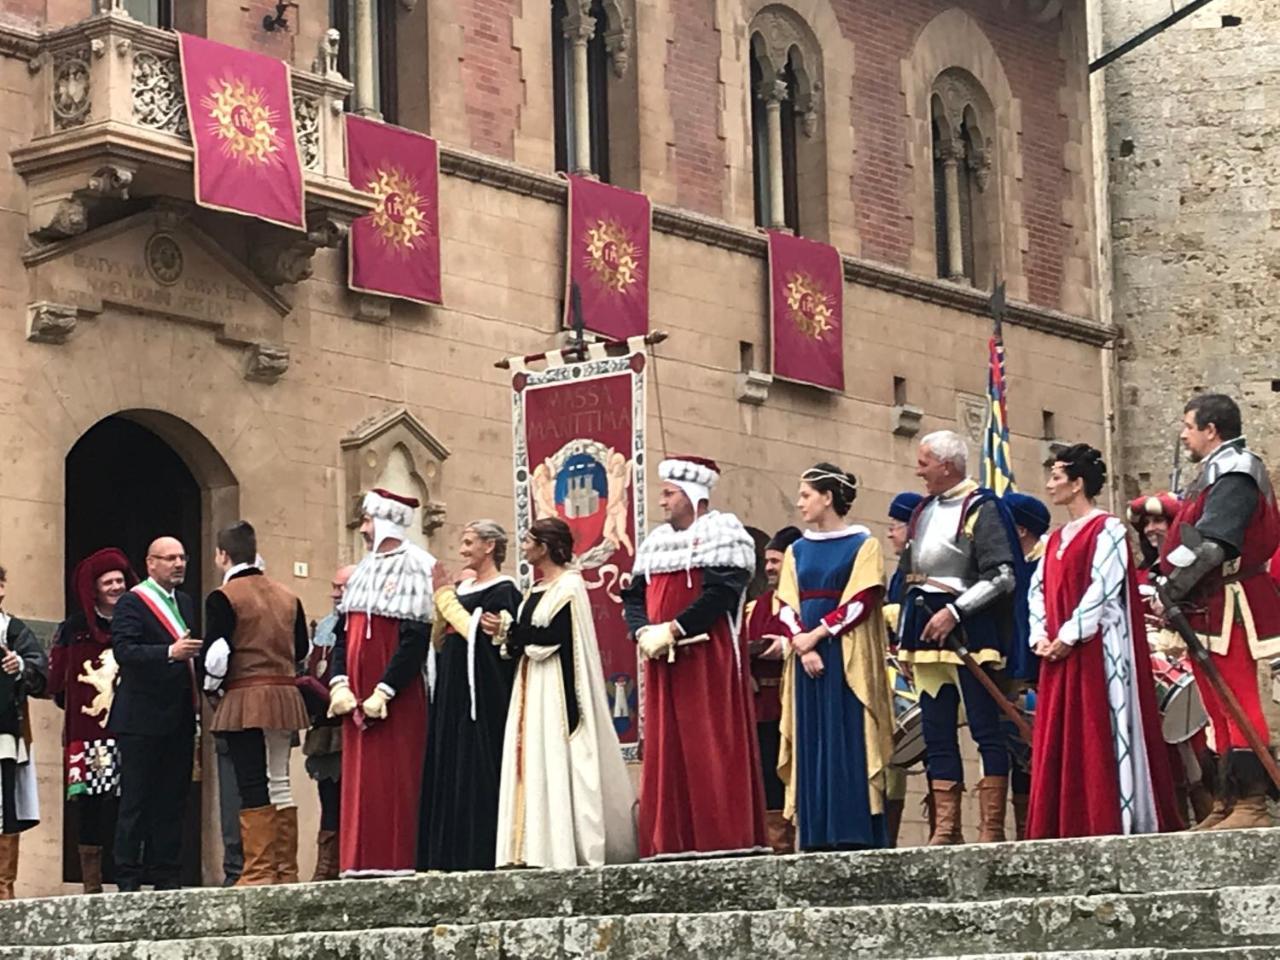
(130, 478)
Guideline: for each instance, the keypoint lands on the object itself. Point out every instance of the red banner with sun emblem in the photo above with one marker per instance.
(608, 258)
(240, 108)
(806, 282)
(395, 251)
(578, 454)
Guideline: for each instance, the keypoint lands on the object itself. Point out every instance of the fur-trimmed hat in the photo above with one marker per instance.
(696, 476)
(385, 505)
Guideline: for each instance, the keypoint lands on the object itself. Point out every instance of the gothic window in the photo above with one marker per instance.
(381, 91)
(965, 210)
(156, 13)
(580, 76)
(788, 160)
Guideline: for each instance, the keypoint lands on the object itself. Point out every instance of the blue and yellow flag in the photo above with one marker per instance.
(997, 462)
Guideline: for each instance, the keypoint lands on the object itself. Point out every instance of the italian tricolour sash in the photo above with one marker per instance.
(163, 606)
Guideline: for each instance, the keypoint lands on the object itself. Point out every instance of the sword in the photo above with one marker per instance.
(1200, 653)
(958, 647)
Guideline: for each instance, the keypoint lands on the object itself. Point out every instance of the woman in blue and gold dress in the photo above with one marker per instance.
(837, 721)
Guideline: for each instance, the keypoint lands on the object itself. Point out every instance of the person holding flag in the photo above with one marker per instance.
(153, 718)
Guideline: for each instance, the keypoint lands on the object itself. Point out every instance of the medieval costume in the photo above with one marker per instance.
(322, 744)
(1139, 513)
(901, 690)
(1100, 762)
(963, 555)
(82, 681)
(377, 683)
(767, 626)
(701, 790)
(19, 805)
(837, 728)
(566, 798)
(1234, 607)
(257, 634)
(469, 680)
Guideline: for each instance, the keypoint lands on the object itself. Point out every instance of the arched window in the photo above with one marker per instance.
(581, 53)
(965, 211)
(787, 156)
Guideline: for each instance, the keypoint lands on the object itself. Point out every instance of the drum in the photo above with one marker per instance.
(1181, 709)
(908, 729)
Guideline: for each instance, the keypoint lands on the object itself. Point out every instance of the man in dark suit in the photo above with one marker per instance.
(153, 718)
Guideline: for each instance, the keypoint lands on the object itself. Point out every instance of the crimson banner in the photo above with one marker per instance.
(395, 250)
(608, 258)
(579, 434)
(240, 107)
(806, 299)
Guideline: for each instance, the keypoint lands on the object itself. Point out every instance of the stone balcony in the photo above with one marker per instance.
(112, 137)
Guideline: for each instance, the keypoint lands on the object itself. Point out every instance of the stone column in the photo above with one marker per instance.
(363, 65)
(951, 152)
(773, 92)
(579, 27)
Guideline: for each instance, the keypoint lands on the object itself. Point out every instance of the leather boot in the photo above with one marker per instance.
(8, 864)
(286, 845)
(1020, 801)
(1217, 813)
(893, 819)
(946, 812)
(927, 811)
(91, 868)
(1248, 782)
(257, 837)
(993, 798)
(779, 832)
(1201, 798)
(326, 856)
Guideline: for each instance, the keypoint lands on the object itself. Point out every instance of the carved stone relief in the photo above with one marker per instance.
(157, 93)
(779, 36)
(71, 99)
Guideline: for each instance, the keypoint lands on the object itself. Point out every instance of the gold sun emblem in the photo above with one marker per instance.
(809, 306)
(399, 216)
(612, 255)
(240, 117)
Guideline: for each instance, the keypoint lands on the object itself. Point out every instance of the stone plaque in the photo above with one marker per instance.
(971, 421)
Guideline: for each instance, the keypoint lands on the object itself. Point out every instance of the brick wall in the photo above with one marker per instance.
(693, 86)
(491, 82)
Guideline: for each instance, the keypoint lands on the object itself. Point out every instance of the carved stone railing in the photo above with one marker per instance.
(114, 115)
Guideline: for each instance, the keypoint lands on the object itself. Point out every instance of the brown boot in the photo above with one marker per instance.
(326, 856)
(1217, 813)
(8, 864)
(1020, 801)
(286, 845)
(91, 868)
(946, 812)
(1201, 798)
(257, 837)
(1248, 782)
(993, 798)
(779, 833)
(893, 819)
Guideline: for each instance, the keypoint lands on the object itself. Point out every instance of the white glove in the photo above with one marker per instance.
(655, 640)
(375, 707)
(341, 700)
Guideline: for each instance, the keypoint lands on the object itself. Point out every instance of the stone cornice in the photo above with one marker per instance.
(703, 229)
(18, 42)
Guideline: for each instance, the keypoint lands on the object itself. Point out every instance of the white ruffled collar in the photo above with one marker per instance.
(849, 531)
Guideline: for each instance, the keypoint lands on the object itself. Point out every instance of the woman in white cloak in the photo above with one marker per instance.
(566, 799)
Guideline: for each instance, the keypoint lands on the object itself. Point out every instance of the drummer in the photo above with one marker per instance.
(1031, 519)
(900, 510)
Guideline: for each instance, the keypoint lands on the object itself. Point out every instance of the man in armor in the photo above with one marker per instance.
(961, 570)
(1221, 583)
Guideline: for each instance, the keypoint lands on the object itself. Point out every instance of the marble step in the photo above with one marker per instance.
(986, 873)
(1145, 925)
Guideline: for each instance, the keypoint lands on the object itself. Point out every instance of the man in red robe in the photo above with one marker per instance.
(1226, 593)
(700, 789)
(766, 633)
(377, 685)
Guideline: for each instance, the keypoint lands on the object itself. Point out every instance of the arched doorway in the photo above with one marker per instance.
(130, 478)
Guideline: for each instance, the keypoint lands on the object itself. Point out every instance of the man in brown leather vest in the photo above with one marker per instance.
(257, 635)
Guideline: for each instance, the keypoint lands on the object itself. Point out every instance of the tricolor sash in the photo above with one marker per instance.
(164, 607)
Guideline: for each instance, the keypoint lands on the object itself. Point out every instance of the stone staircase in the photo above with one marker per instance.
(1201, 895)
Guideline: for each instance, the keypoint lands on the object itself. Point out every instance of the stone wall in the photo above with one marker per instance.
(1195, 195)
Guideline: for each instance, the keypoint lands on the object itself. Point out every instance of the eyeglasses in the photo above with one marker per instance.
(172, 558)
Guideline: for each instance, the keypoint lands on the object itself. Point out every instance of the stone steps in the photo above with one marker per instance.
(1145, 898)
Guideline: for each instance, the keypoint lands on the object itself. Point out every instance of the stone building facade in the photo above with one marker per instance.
(165, 368)
(1195, 213)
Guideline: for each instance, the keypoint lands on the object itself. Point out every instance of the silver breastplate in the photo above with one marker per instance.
(939, 557)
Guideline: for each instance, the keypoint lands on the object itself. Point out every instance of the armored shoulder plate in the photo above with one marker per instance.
(1236, 458)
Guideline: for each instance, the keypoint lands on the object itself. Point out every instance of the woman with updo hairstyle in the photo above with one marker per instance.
(469, 681)
(837, 722)
(1100, 764)
(566, 798)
